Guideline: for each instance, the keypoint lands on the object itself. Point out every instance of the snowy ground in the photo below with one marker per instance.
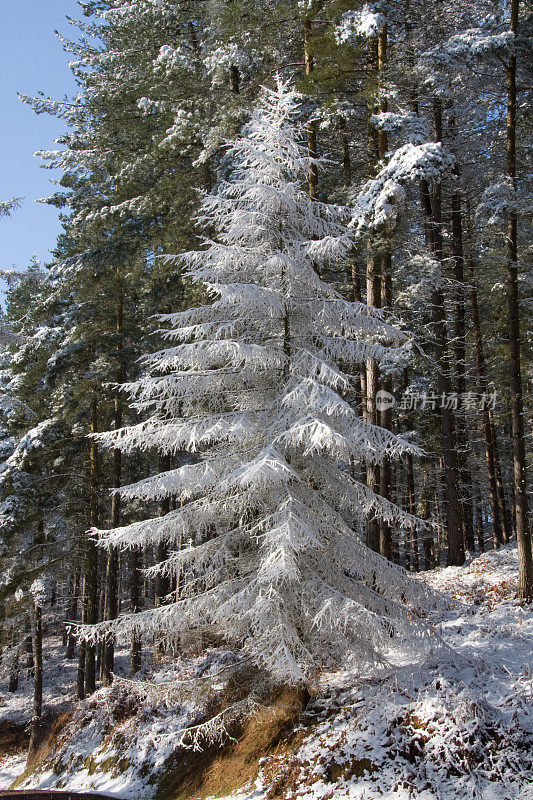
(457, 724)
(59, 682)
(10, 767)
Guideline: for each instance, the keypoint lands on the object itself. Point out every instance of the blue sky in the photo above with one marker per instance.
(31, 60)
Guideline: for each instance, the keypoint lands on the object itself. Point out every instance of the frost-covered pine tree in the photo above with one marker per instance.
(256, 386)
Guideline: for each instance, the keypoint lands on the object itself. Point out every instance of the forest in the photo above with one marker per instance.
(266, 414)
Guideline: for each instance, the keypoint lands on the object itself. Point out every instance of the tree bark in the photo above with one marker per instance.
(505, 515)
(497, 535)
(312, 177)
(14, 671)
(385, 417)
(161, 583)
(432, 205)
(37, 718)
(345, 147)
(358, 298)
(234, 79)
(427, 543)
(373, 298)
(111, 603)
(28, 648)
(73, 613)
(480, 532)
(523, 536)
(385, 420)
(87, 667)
(135, 602)
(460, 363)
(111, 594)
(411, 507)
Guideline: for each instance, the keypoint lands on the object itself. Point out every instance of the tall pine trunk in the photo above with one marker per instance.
(312, 125)
(162, 582)
(111, 603)
(385, 420)
(111, 594)
(432, 205)
(87, 654)
(385, 416)
(36, 726)
(73, 612)
(14, 671)
(135, 602)
(523, 536)
(497, 534)
(411, 507)
(460, 363)
(373, 298)
(505, 514)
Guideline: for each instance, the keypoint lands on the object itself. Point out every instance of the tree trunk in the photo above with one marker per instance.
(358, 298)
(37, 718)
(373, 298)
(234, 79)
(497, 535)
(411, 507)
(523, 536)
(110, 612)
(111, 599)
(161, 583)
(312, 177)
(14, 671)
(80, 676)
(90, 576)
(73, 613)
(345, 147)
(460, 363)
(432, 205)
(385, 420)
(427, 543)
(385, 259)
(111, 603)
(135, 602)
(499, 510)
(28, 648)
(480, 533)
(505, 515)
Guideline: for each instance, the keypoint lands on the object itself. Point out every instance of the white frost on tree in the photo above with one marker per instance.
(256, 386)
(8, 206)
(365, 22)
(469, 47)
(378, 202)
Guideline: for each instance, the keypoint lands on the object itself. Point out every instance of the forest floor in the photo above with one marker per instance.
(453, 723)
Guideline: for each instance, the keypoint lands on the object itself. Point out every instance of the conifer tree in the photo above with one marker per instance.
(265, 539)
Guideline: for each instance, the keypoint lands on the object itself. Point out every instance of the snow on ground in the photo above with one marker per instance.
(59, 680)
(102, 753)
(11, 766)
(459, 725)
(456, 725)
(118, 741)
(489, 578)
(59, 683)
